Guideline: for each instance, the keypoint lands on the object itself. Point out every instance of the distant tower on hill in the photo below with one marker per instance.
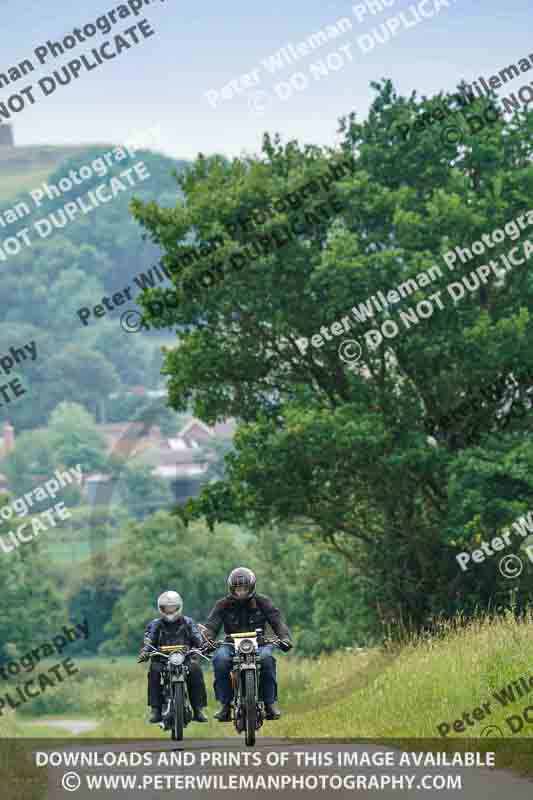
(6, 136)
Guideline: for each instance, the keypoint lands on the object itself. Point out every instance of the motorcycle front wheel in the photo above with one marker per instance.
(250, 707)
(179, 711)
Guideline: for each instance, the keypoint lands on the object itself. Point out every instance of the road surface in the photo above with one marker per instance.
(471, 783)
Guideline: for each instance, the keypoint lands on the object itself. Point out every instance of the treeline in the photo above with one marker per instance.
(45, 284)
(117, 586)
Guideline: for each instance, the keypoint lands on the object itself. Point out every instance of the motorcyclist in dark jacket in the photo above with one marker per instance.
(244, 610)
(170, 629)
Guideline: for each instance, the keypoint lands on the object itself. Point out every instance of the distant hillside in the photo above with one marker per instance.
(23, 168)
(73, 266)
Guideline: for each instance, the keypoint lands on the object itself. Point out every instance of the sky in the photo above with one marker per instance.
(197, 48)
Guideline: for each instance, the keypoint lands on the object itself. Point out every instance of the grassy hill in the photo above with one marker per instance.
(24, 168)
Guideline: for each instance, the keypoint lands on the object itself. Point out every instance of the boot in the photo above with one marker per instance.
(271, 711)
(224, 715)
(156, 714)
(198, 715)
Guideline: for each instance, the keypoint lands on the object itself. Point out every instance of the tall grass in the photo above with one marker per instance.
(433, 679)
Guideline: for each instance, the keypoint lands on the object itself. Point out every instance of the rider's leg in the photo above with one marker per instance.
(268, 689)
(269, 686)
(222, 664)
(197, 692)
(155, 694)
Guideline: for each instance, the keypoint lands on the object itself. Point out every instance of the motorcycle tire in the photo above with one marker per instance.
(179, 710)
(250, 707)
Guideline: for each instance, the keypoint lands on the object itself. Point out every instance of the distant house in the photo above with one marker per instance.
(176, 460)
(195, 431)
(179, 460)
(126, 438)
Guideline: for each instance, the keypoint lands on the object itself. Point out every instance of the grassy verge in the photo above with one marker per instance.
(433, 681)
(363, 694)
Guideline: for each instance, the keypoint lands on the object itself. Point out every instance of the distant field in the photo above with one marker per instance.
(24, 168)
(64, 553)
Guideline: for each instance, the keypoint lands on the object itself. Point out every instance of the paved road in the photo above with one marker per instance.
(477, 783)
(74, 726)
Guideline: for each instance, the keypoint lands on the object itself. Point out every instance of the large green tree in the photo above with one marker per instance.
(373, 460)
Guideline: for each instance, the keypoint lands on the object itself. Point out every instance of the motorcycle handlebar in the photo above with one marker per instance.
(157, 653)
(190, 652)
(221, 642)
(200, 653)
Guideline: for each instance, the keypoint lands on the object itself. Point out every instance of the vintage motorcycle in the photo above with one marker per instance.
(248, 712)
(177, 711)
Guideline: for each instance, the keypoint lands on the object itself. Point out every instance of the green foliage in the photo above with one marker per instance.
(95, 526)
(163, 555)
(364, 458)
(215, 451)
(72, 438)
(75, 437)
(32, 457)
(83, 375)
(31, 599)
(308, 583)
(129, 355)
(321, 595)
(124, 406)
(24, 168)
(44, 285)
(95, 601)
(142, 492)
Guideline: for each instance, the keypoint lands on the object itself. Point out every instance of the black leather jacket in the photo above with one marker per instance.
(184, 631)
(240, 616)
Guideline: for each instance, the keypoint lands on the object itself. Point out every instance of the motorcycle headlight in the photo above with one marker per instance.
(246, 646)
(177, 659)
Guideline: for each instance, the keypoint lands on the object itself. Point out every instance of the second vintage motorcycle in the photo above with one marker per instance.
(248, 711)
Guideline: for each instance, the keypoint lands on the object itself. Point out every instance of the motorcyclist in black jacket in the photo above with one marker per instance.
(173, 628)
(240, 611)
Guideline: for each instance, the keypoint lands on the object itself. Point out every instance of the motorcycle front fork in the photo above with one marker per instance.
(237, 704)
(166, 713)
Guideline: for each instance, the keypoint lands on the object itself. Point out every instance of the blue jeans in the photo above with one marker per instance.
(222, 664)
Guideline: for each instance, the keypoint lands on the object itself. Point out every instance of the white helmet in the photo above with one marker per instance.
(170, 606)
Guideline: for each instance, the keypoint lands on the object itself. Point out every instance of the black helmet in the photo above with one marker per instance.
(241, 583)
